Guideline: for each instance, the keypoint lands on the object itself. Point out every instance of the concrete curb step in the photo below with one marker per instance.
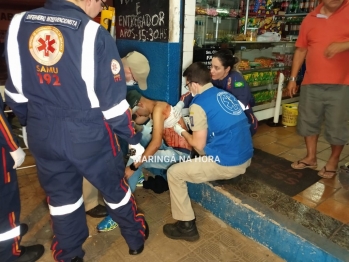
(282, 235)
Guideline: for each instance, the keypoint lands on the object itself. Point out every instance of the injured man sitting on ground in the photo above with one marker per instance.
(163, 146)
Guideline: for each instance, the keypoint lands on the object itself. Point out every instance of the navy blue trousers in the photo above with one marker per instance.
(9, 207)
(70, 145)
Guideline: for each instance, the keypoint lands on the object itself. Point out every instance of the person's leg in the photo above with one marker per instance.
(63, 187)
(11, 231)
(9, 215)
(336, 125)
(108, 224)
(310, 117)
(90, 194)
(108, 177)
(91, 200)
(195, 171)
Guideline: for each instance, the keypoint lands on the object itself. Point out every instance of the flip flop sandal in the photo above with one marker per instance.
(305, 165)
(324, 175)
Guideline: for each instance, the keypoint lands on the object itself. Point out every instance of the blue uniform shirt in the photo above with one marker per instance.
(235, 84)
(68, 62)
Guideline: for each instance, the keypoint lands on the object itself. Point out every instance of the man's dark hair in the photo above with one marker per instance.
(198, 73)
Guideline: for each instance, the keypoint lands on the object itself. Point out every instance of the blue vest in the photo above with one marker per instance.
(228, 134)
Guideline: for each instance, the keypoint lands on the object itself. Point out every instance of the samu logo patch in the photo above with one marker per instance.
(46, 45)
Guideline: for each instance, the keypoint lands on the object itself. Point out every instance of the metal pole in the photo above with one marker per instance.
(246, 15)
(217, 21)
(278, 98)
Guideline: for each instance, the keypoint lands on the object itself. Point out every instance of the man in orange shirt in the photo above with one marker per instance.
(324, 43)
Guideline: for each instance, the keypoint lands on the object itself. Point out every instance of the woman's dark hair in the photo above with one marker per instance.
(198, 73)
(227, 58)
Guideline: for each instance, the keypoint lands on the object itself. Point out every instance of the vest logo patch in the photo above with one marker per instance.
(46, 45)
(229, 103)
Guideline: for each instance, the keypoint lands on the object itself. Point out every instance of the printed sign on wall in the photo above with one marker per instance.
(146, 20)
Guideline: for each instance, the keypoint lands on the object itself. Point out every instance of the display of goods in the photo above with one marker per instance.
(233, 13)
(251, 35)
(255, 79)
(200, 10)
(264, 61)
(263, 96)
(288, 59)
(222, 12)
(211, 11)
(239, 37)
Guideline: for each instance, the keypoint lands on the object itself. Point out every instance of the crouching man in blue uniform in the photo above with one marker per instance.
(221, 135)
(66, 85)
(12, 156)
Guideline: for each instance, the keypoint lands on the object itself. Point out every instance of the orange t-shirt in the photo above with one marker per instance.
(317, 32)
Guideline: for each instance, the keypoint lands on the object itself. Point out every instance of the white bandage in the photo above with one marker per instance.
(175, 115)
(178, 129)
(136, 152)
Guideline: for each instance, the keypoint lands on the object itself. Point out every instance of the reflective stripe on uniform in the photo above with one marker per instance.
(14, 60)
(123, 202)
(67, 209)
(243, 106)
(117, 110)
(15, 232)
(16, 97)
(88, 61)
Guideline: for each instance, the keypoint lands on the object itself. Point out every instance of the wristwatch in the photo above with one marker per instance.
(133, 167)
(292, 78)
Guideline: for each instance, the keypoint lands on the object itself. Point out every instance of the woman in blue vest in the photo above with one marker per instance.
(225, 76)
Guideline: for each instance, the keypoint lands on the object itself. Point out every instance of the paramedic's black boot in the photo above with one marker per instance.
(140, 250)
(30, 253)
(185, 230)
(98, 211)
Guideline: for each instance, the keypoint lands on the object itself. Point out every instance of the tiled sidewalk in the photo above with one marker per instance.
(218, 241)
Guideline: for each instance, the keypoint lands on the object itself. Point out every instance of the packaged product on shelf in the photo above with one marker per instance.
(276, 75)
(263, 96)
(233, 13)
(288, 59)
(251, 34)
(264, 61)
(239, 37)
(244, 64)
(247, 78)
(222, 12)
(211, 11)
(200, 10)
(256, 80)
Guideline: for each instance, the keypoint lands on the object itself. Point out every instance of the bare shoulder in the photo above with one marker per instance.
(162, 108)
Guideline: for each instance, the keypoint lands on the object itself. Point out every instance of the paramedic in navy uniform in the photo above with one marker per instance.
(67, 88)
(12, 156)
